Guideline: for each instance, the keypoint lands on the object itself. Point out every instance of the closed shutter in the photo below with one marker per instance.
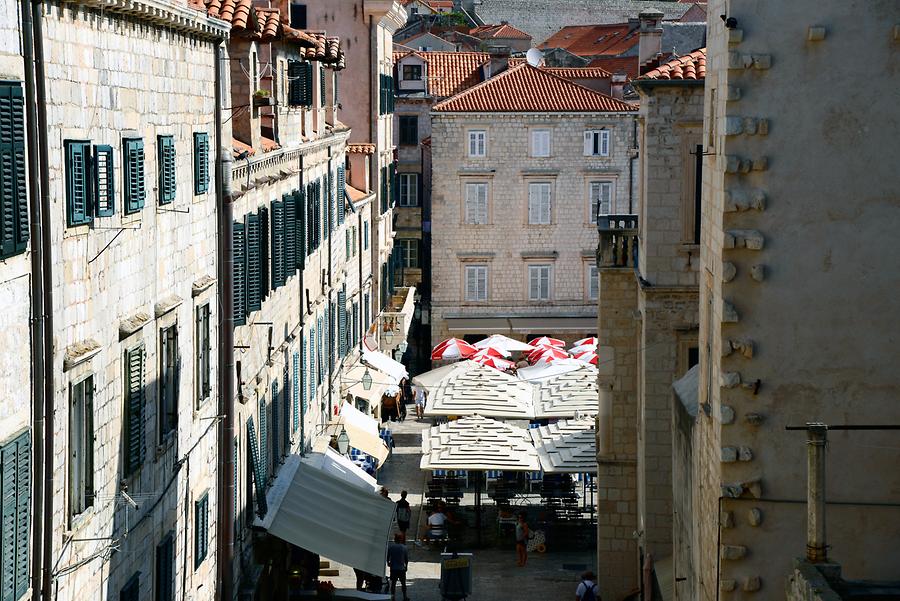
(471, 284)
(588, 143)
(307, 84)
(295, 392)
(296, 81)
(322, 85)
(134, 174)
(263, 442)
(329, 201)
(312, 364)
(201, 529)
(134, 409)
(290, 235)
(132, 589)
(278, 273)
(275, 435)
(78, 182)
(104, 178)
(166, 164)
(263, 253)
(254, 299)
(310, 218)
(604, 142)
(304, 375)
(341, 194)
(15, 513)
(256, 469)
(342, 321)
(320, 361)
(239, 274)
(300, 227)
(286, 413)
(13, 187)
(337, 96)
(165, 569)
(201, 162)
(545, 282)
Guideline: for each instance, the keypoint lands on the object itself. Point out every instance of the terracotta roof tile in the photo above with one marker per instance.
(237, 147)
(618, 64)
(300, 37)
(569, 72)
(688, 67)
(269, 22)
(354, 194)
(364, 148)
(268, 145)
(450, 73)
(594, 40)
(529, 89)
(504, 30)
(236, 12)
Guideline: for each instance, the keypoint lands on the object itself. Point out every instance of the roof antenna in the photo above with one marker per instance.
(534, 57)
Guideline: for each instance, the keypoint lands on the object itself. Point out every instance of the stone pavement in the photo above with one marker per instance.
(547, 577)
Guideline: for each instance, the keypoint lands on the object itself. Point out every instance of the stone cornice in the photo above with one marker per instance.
(165, 14)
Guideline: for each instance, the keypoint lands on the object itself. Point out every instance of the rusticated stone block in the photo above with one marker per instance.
(726, 414)
(728, 271)
(726, 519)
(733, 93)
(762, 61)
(742, 345)
(752, 584)
(733, 552)
(734, 126)
(729, 313)
(735, 36)
(758, 272)
(739, 200)
(729, 455)
(727, 585)
(745, 454)
(760, 163)
(749, 239)
(730, 379)
(755, 517)
(750, 125)
(815, 33)
(763, 127)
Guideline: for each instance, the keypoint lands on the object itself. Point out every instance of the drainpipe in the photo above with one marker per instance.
(816, 549)
(37, 297)
(225, 292)
(631, 161)
(47, 291)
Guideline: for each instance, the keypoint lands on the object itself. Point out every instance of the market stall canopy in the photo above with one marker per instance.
(478, 443)
(547, 370)
(384, 364)
(568, 394)
(352, 383)
(499, 341)
(568, 446)
(469, 388)
(362, 430)
(313, 508)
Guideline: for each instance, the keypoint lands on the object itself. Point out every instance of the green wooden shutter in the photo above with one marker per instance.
(322, 85)
(320, 356)
(104, 180)
(278, 272)
(337, 97)
(201, 162)
(239, 274)
(201, 529)
(254, 300)
(263, 441)
(341, 193)
(134, 174)
(342, 320)
(256, 468)
(263, 252)
(295, 83)
(286, 413)
(132, 589)
(13, 186)
(307, 87)
(295, 392)
(78, 182)
(310, 218)
(312, 364)
(290, 235)
(165, 155)
(135, 444)
(300, 227)
(275, 435)
(165, 569)
(15, 513)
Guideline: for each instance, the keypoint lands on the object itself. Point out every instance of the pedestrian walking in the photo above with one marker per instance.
(404, 513)
(420, 401)
(522, 533)
(398, 561)
(587, 589)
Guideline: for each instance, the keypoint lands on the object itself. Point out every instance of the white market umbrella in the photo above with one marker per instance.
(478, 443)
(543, 370)
(568, 446)
(468, 388)
(385, 364)
(505, 343)
(568, 394)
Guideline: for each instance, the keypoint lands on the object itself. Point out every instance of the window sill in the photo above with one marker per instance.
(167, 444)
(79, 521)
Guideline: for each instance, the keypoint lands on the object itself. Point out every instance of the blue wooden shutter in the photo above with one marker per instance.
(263, 253)
(239, 274)
(290, 235)
(275, 435)
(134, 174)
(263, 442)
(201, 529)
(201, 162)
(295, 392)
(341, 193)
(256, 468)
(278, 272)
(300, 227)
(78, 182)
(342, 320)
(104, 179)
(132, 589)
(320, 358)
(312, 364)
(254, 299)
(165, 153)
(13, 187)
(135, 444)
(329, 204)
(286, 412)
(165, 569)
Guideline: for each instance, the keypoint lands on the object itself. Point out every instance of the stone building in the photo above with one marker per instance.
(523, 164)
(648, 320)
(797, 280)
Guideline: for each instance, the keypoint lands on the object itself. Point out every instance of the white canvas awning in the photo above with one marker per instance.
(568, 394)
(385, 364)
(351, 383)
(478, 443)
(568, 446)
(312, 507)
(469, 388)
(340, 466)
(362, 430)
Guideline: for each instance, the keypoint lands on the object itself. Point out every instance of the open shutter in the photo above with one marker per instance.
(15, 512)
(290, 235)
(263, 252)
(341, 194)
(588, 143)
(201, 162)
(342, 321)
(134, 410)
(322, 85)
(300, 227)
(286, 412)
(311, 366)
(134, 174)
(78, 182)
(278, 272)
(254, 299)
(296, 390)
(296, 82)
(166, 165)
(239, 274)
(275, 435)
(104, 188)
(201, 529)
(307, 87)
(256, 468)
(263, 441)
(13, 190)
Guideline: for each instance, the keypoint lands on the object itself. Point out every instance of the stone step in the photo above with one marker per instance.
(324, 564)
(330, 572)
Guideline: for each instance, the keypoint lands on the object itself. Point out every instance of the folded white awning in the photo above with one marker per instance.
(362, 430)
(313, 508)
(385, 364)
(351, 383)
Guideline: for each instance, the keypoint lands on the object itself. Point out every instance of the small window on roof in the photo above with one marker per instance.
(298, 15)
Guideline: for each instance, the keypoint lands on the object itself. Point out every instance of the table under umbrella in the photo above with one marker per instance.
(467, 388)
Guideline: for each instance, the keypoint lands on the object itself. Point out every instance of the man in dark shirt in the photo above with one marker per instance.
(404, 513)
(398, 560)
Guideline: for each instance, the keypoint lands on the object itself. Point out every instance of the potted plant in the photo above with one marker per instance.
(262, 98)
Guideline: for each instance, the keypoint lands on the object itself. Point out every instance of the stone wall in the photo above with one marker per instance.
(682, 499)
(408, 224)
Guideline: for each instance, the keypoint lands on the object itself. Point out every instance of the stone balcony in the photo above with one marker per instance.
(618, 241)
(395, 320)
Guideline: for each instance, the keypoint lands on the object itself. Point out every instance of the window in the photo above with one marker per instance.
(476, 283)
(601, 199)
(252, 263)
(412, 72)
(409, 189)
(166, 164)
(78, 182)
(341, 194)
(203, 350)
(476, 203)
(409, 130)
(15, 513)
(133, 149)
(104, 184)
(539, 203)
(132, 589)
(13, 183)
(201, 162)
(596, 142)
(300, 83)
(386, 98)
(540, 142)
(169, 369)
(539, 282)
(409, 252)
(692, 191)
(321, 86)
(365, 235)
(165, 569)
(134, 409)
(81, 446)
(298, 15)
(264, 441)
(239, 274)
(477, 143)
(201, 529)
(593, 284)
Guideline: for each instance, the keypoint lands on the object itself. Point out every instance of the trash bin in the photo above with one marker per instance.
(456, 576)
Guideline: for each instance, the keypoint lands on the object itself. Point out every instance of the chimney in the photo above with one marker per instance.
(617, 85)
(650, 40)
(499, 60)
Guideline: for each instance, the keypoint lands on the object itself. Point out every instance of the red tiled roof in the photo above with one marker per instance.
(688, 67)
(618, 64)
(355, 194)
(269, 20)
(236, 12)
(268, 145)
(504, 30)
(594, 40)
(364, 148)
(527, 89)
(568, 72)
(450, 73)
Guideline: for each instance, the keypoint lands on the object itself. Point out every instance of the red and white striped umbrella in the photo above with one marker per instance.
(489, 352)
(575, 350)
(591, 340)
(587, 357)
(453, 348)
(546, 341)
(491, 361)
(547, 354)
